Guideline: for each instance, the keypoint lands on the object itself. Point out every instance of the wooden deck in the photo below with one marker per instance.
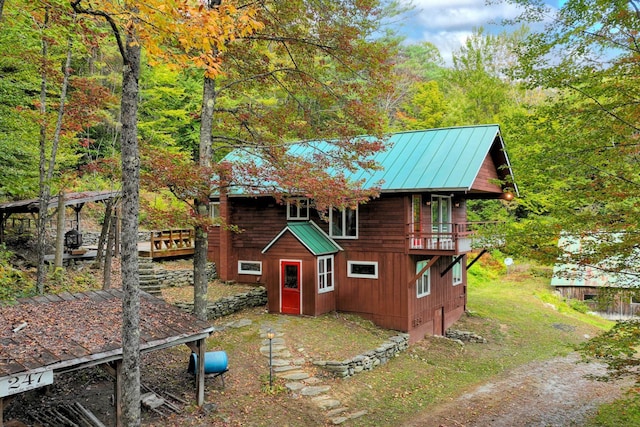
(168, 243)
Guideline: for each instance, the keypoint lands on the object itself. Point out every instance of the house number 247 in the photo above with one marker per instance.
(24, 382)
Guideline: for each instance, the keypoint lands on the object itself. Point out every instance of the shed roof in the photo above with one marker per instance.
(445, 159)
(67, 331)
(70, 199)
(311, 236)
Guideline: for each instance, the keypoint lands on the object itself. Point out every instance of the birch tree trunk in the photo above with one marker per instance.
(130, 381)
(43, 197)
(200, 280)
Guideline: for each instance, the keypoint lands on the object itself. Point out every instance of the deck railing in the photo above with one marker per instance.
(456, 237)
(171, 240)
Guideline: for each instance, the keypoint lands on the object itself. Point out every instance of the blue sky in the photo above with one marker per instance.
(448, 23)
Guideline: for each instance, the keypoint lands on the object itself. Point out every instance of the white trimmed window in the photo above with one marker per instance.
(456, 272)
(250, 267)
(423, 284)
(214, 210)
(343, 223)
(325, 273)
(362, 269)
(298, 209)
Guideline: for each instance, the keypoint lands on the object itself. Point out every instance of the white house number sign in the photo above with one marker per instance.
(23, 382)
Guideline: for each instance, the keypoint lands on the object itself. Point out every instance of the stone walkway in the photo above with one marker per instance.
(301, 383)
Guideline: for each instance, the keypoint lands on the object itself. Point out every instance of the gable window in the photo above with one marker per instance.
(325, 273)
(343, 223)
(362, 269)
(250, 267)
(423, 284)
(214, 210)
(298, 209)
(456, 272)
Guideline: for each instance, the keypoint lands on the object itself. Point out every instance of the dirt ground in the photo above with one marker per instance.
(552, 393)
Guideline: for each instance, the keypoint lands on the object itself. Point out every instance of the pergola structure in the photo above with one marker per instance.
(32, 206)
(46, 335)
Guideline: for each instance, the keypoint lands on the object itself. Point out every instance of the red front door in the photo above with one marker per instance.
(290, 286)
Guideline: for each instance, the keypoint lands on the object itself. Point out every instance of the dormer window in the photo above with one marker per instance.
(298, 209)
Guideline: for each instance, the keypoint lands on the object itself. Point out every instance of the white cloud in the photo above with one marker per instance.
(447, 24)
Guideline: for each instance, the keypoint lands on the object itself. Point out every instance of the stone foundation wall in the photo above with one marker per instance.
(368, 360)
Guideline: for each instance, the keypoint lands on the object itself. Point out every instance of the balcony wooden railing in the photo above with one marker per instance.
(455, 237)
(168, 243)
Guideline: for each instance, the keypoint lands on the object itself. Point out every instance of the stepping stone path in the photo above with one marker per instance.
(300, 382)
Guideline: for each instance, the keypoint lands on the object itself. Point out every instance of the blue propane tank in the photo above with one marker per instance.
(214, 362)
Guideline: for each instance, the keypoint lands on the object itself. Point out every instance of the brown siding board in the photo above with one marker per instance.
(486, 176)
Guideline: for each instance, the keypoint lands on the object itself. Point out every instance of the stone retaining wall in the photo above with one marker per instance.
(228, 305)
(368, 360)
(464, 336)
(180, 278)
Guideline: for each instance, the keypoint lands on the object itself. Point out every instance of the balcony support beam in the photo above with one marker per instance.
(482, 252)
(450, 266)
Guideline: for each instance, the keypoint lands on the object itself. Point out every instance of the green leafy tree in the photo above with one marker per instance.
(582, 144)
(477, 88)
(416, 67)
(426, 109)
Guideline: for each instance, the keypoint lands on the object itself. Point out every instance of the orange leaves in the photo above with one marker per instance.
(183, 32)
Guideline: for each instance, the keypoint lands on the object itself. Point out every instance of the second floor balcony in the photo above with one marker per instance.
(454, 238)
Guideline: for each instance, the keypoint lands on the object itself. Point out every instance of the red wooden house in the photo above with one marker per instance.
(399, 260)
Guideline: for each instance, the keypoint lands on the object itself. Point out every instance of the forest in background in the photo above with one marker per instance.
(565, 99)
(565, 95)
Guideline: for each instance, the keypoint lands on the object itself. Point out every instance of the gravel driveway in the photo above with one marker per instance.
(552, 393)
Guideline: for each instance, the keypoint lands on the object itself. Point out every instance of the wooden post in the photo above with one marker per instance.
(201, 345)
(57, 262)
(118, 392)
(116, 223)
(1, 411)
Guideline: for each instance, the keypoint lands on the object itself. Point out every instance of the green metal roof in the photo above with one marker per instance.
(311, 236)
(445, 159)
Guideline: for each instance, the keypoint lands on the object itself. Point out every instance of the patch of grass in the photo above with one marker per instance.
(516, 312)
(519, 326)
(622, 412)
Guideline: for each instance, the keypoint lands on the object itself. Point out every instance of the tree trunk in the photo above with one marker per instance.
(130, 210)
(106, 282)
(200, 280)
(45, 178)
(43, 199)
(108, 210)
